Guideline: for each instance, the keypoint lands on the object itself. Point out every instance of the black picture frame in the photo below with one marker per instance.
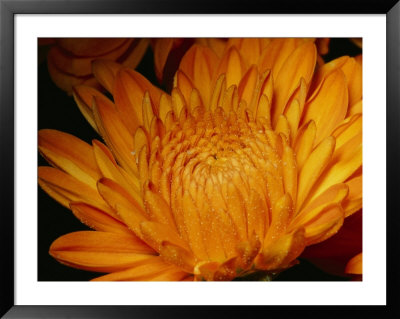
(8, 10)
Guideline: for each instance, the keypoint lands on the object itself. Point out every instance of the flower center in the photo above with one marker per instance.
(220, 174)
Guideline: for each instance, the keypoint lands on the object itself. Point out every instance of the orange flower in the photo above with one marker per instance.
(252, 157)
(69, 61)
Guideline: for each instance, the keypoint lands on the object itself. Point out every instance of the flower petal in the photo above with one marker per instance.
(354, 266)
(115, 134)
(129, 89)
(300, 64)
(155, 269)
(96, 219)
(66, 189)
(83, 96)
(329, 107)
(70, 154)
(105, 72)
(100, 251)
(313, 167)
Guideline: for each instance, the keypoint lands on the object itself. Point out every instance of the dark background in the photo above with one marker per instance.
(57, 110)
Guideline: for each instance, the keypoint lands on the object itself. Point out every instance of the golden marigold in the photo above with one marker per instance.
(253, 156)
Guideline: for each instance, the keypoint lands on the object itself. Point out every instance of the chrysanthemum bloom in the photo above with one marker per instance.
(251, 158)
(69, 61)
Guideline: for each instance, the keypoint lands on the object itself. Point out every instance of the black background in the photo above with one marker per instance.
(57, 110)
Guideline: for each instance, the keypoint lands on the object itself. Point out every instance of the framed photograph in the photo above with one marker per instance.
(160, 155)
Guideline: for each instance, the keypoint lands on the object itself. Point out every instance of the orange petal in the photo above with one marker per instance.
(353, 202)
(105, 72)
(96, 219)
(275, 53)
(323, 72)
(177, 256)
(289, 171)
(65, 189)
(134, 54)
(70, 154)
(334, 194)
(324, 224)
(155, 269)
(100, 251)
(300, 64)
(89, 46)
(193, 225)
(130, 211)
(354, 266)
(247, 87)
(82, 65)
(232, 66)
(83, 96)
(66, 81)
(353, 72)
(115, 134)
(156, 234)
(304, 143)
(345, 161)
(282, 251)
(282, 212)
(129, 89)
(110, 169)
(313, 167)
(157, 208)
(199, 64)
(162, 48)
(249, 48)
(329, 107)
